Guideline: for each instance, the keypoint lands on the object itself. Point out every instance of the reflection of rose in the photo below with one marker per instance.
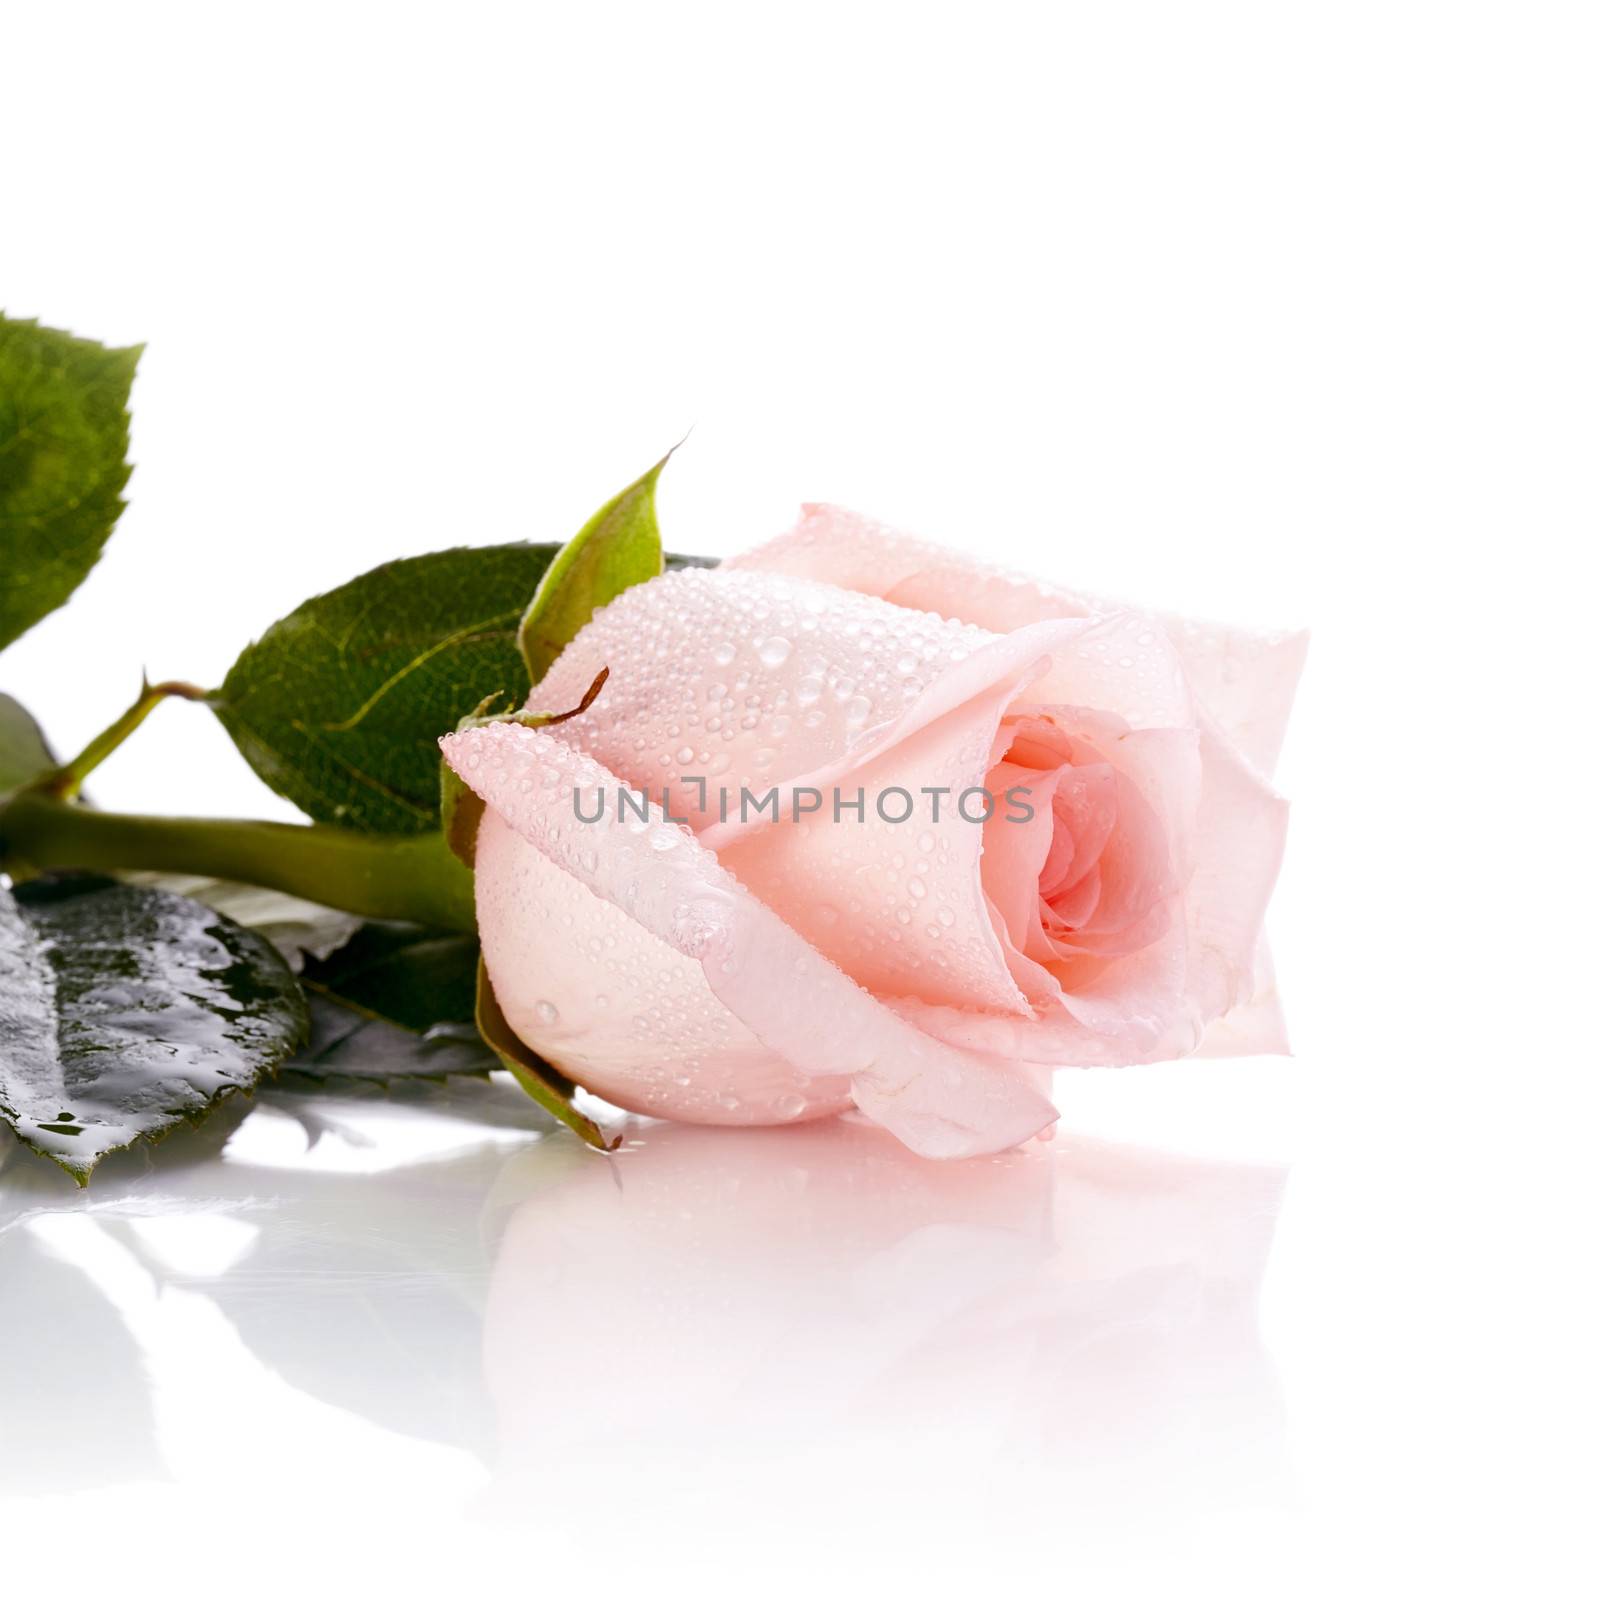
(812, 1325)
(932, 969)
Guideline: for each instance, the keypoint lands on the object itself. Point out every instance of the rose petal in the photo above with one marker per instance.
(939, 1101)
(1015, 853)
(619, 1010)
(1254, 1027)
(744, 679)
(1157, 1002)
(922, 927)
(899, 905)
(1245, 678)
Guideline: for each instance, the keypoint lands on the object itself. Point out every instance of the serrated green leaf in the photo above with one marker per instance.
(126, 1011)
(24, 753)
(619, 546)
(339, 707)
(547, 1085)
(63, 464)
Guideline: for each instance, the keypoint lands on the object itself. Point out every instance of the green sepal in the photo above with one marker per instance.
(619, 546)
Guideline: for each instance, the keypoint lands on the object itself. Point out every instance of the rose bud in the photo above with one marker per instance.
(929, 832)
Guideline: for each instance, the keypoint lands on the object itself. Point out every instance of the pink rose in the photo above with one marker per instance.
(731, 967)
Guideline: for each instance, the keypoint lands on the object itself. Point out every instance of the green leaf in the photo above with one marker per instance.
(24, 754)
(339, 707)
(545, 1084)
(388, 1000)
(126, 1011)
(63, 464)
(395, 1002)
(619, 546)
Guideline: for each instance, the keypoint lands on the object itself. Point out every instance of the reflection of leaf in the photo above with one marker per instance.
(619, 546)
(63, 443)
(395, 1002)
(373, 1326)
(72, 1383)
(24, 755)
(124, 1012)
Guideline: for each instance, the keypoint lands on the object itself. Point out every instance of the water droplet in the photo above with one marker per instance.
(723, 654)
(546, 1013)
(774, 651)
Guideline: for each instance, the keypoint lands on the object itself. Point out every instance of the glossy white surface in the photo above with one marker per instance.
(431, 1340)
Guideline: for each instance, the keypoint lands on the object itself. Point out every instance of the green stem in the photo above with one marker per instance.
(66, 780)
(409, 879)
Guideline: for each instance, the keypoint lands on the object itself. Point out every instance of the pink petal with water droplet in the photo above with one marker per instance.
(940, 1101)
(898, 916)
(1244, 677)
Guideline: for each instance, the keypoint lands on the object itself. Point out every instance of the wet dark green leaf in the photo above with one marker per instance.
(395, 1002)
(63, 464)
(126, 1011)
(415, 977)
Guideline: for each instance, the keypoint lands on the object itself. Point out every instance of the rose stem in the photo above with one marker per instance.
(411, 879)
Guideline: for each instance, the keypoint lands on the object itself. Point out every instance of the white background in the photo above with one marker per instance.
(1281, 313)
